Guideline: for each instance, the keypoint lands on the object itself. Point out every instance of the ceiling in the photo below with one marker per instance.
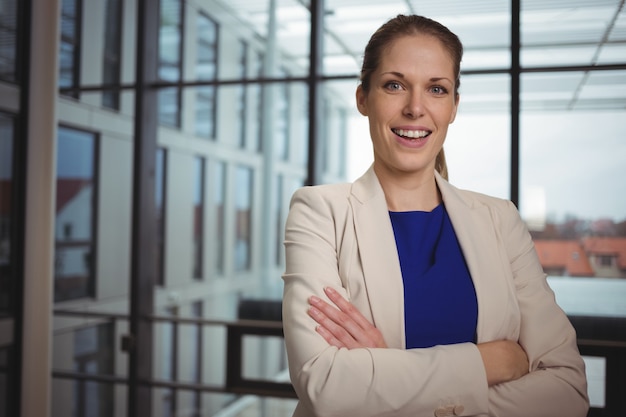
(554, 33)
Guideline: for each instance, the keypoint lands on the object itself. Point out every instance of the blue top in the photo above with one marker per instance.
(440, 306)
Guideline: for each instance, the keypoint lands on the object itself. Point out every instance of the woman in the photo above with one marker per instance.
(405, 296)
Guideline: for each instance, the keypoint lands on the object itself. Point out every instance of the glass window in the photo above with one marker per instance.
(555, 35)
(198, 217)
(335, 130)
(255, 97)
(6, 215)
(290, 34)
(160, 195)
(279, 219)
(112, 53)
(483, 28)
(93, 354)
(242, 95)
(243, 219)
(478, 146)
(282, 117)
(168, 362)
(197, 348)
(8, 40)
(170, 60)
(570, 192)
(206, 70)
(69, 59)
(74, 265)
(219, 209)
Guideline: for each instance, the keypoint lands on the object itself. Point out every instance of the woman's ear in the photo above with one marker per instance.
(361, 100)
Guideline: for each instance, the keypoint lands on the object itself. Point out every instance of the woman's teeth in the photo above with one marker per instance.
(411, 134)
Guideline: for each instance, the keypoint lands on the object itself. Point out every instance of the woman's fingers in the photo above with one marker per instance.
(337, 323)
(343, 325)
(325, 324)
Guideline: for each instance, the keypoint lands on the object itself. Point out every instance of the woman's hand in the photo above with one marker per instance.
(504, 361)
(343, 325)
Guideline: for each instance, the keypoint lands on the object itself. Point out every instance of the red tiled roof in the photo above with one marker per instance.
(566, 254)
(68, 189)
(607, 246)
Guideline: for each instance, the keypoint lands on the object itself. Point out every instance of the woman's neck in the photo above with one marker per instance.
(411, 192)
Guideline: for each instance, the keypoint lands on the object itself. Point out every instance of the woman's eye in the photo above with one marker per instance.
(394, 86)
(439, 90)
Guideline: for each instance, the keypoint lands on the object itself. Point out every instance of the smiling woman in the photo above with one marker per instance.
(385, 276)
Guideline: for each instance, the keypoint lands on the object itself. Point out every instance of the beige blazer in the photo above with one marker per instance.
(340, 235)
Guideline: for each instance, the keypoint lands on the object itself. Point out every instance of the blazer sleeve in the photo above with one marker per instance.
(361, 382)
(556, 384)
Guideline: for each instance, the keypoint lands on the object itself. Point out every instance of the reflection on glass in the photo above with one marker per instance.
(6, 186)
(74, 224)
(8, 40)
(243, 218)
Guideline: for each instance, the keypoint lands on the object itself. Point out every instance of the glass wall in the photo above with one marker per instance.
(235, 116)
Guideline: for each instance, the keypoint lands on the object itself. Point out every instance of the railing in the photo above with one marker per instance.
(597, 337)
(236, 383)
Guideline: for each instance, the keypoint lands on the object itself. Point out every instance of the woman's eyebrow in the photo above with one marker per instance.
(432, 79)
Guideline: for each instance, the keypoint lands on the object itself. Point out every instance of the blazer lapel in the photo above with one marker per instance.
(474, 228)
(379, 257)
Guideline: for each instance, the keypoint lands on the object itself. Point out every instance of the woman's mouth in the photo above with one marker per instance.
(411, 134)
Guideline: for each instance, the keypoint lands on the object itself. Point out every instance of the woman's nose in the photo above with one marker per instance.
(414, 106)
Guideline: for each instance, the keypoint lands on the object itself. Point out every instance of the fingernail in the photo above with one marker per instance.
(314, 300)
(330, 290)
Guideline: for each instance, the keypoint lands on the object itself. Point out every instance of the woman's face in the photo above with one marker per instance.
(410, 104)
